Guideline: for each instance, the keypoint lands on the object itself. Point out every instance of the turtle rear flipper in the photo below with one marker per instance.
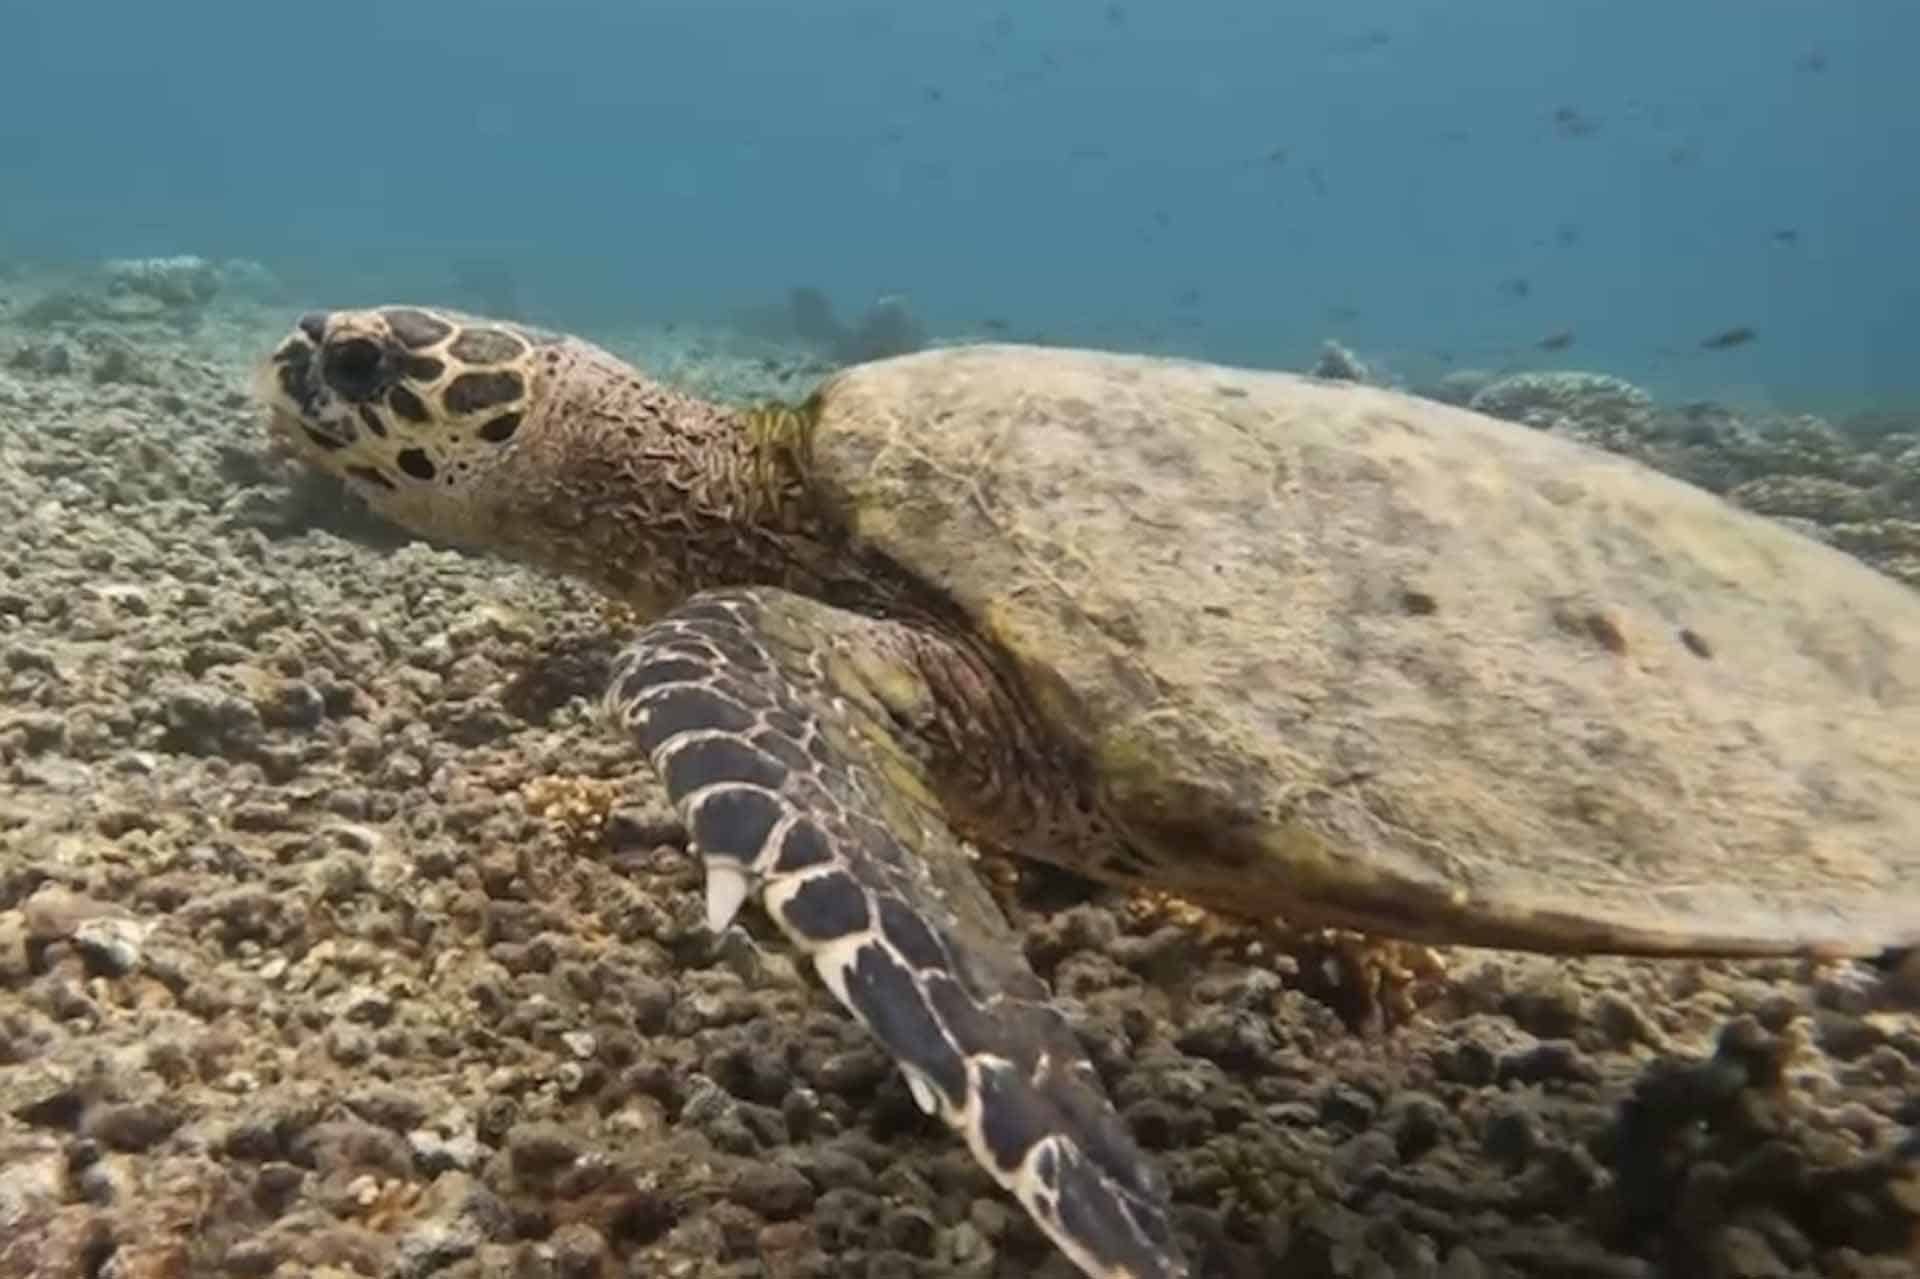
(773, 721)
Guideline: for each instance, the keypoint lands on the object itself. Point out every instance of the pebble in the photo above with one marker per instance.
(775, 1191)
(112, 946)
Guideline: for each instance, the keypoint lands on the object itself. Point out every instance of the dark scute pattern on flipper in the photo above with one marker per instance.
(654, 674)
(784, 749)
(1014, 1118)
(693, 764)
(827, 906)
(1047, 1164)
(415, 329)
(802, 847)
(1048, 1052)
(909, 935)
(948, 994)
(736, 822)
(1079, 1188)
(881, 991)
(682, 710)
(962, 1011)
(739, 652)
(1088, 1211)
(1121, 1159)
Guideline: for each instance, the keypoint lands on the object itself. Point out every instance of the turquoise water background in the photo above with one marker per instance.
(1236, 180)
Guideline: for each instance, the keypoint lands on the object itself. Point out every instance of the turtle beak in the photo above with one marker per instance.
(287, 383)
(288, 378)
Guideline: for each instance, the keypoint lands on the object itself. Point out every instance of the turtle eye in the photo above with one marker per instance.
(355, 367)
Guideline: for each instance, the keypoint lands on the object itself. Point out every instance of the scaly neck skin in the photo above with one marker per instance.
(653, 495)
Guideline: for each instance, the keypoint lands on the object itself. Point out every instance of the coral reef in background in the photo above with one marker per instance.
(1603, 410)
(246, 278)
(182, 281)
(174, 291)
(887, 327)
(1857, 489)
(1852, 483)
(1339, 364)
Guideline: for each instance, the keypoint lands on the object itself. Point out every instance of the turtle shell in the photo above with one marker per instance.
(1360, 658)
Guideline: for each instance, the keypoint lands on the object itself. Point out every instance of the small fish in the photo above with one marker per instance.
(1277, 156)
(934, 93)
(1786, 235)
(994, 324)
(1729, 339)
(1812, 61)
(1569, 123)
(1516, 287)
(1566, 235)
(1343, 314)
(1376, 38)
(1116, 16)
(1557, 341)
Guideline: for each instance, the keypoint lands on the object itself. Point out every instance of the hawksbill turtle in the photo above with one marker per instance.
(1270, 643)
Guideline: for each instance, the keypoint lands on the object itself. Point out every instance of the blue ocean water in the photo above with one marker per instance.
(1434, 183)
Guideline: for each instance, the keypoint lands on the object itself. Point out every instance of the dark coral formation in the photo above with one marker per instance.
(1721, 1156)
(887, 327)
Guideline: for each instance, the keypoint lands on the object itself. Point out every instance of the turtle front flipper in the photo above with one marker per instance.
(776, 725)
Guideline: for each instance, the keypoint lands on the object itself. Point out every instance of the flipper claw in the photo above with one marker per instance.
(922, 1093)
(727, 888)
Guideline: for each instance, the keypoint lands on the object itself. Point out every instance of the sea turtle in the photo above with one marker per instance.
(1271, 643)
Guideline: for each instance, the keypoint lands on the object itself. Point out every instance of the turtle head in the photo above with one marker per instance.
(537, 445)
(414, 409)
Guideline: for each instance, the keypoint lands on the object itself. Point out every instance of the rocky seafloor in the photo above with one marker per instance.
(336, 937)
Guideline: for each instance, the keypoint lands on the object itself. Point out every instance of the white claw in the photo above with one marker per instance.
(726, 892)
(922, 1092)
